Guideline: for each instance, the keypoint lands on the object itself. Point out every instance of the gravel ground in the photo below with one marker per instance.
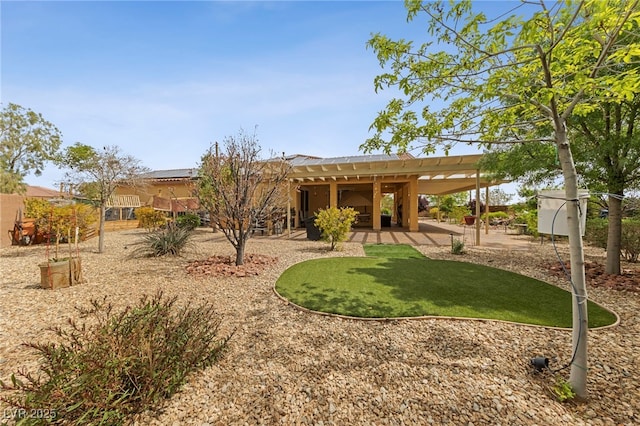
(289, 367)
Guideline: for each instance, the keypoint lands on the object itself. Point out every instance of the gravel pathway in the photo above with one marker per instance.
(288, 367)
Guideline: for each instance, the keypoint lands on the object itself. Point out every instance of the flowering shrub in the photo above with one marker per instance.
(335, 223)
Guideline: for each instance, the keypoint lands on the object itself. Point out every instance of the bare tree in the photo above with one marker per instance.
(100, 173)
(240, 189)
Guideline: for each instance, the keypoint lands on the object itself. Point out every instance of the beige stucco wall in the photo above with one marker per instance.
(9, 206)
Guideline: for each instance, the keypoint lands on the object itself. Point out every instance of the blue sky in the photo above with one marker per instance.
(163, 80)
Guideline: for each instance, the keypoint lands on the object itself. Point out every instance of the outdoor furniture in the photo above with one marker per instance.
(517, 228)
(313, 232)
(259, 226)
(364, 218)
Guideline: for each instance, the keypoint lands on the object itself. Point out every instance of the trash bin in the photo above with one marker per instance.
(313, 232)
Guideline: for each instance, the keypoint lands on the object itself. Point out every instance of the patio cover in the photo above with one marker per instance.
(437, 175)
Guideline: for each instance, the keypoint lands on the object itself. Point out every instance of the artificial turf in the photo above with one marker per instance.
(395, 280)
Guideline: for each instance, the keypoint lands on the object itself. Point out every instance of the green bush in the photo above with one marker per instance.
(189, 220)
(433, 212)
(118, 364)
(459, 212)
(150, 218)
(457, 247)
(60, 221)
(529, 218)
(495, 216)
(171, 240)
(631, 239)
(335, 223)
(597, 231)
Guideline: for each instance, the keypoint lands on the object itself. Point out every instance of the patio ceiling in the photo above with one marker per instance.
(437, 175)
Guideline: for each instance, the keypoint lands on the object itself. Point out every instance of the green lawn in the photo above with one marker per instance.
(398, 281)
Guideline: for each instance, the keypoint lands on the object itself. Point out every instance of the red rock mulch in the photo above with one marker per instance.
(628, 280)
(224, 266)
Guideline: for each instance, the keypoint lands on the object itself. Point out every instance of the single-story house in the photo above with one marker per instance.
(355, 181)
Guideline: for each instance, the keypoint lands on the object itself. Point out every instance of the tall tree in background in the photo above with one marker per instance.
(239, 188)
(27, 142)
(609, 158)
(102, 171)
(606, 149)
(506, 80)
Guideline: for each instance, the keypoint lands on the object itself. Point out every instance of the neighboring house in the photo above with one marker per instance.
(171, 191)
(357, 181)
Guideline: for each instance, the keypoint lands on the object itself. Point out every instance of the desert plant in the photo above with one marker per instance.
(189, 220)
(335, 223)
(150, 218)
(171, 240)
(118, 363)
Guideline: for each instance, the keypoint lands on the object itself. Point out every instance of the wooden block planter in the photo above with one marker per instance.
(60, 273)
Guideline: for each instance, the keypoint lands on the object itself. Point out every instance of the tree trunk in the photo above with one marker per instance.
(578, 375)
(103, 210)
(240, 252)
(614, 234)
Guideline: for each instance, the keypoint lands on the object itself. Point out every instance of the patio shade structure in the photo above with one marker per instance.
(401, 174)
(352, 198)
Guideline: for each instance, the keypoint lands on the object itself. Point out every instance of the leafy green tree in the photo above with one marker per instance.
(240, 189)
(27, 142)
(101, 172)
(335, 223)
(606, 149)
(515, 79)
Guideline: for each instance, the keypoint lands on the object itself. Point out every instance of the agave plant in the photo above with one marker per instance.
(170, 240)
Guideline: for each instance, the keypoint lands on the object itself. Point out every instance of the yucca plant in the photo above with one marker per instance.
(171, 240)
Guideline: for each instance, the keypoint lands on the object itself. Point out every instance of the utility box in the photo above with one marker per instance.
(552, 212)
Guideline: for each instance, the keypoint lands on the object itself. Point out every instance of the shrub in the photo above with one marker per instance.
(530, 218)
(433, 212)
(150, 218)
(630, 246)
(189, 220)
(60, 221)
(171, 240)
(457, 247)
(335, 223)
(495, 217)
(563, 390)
(459, 212)
(121, 363)
(597, 231)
